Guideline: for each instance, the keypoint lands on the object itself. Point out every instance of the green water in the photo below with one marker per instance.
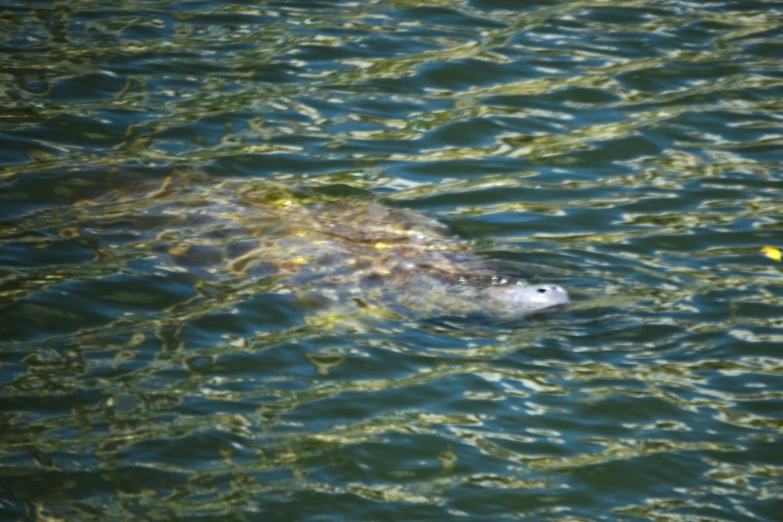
(630, 151)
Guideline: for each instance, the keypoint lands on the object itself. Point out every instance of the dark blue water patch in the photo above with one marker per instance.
(187, 445)
(605, 397)
(276, 367)
(533, 58)
(765, 312)
(683, 241)
(138, 293)
(261, 312)
(176, 62)
(529, 428)
(123, 230)
(458, 75)
(146, 29)
(380, 106)
(61, 187)
(699, 99)
(658, 245)
(230, 18)
(533, 115)
(739, 379)
(23, 395)
(553, 65)
(375, 46)
(87, 87)
(472, 132)
(731, 125)
(23, 38)
(275, 72)
(132, 480)
(506, 6)
(209, 130)
(625, 16)
(366, 153)
(454, 169)
(677, 76)
(345, 406)
(346, 51)
(717, 506)
(326, 110)
(124, 113)
(79, 132)
(765, 50)
(727, 7)
(402, 85)
(628, 46)
(174, 148)
(336, 463)
(17, 151)
(39, 251)
(380, 358)
(348, 127)
(49, 391)
(296, 9)
(481, 499)
(290, 114)
(619, 149)
(660, 474)
(704, 32)
(635, 339)
(658, 206)
(50, 312)
(262, 165)
(692, 140)
(13, 366)
(755, 455)
(440, 16)
(12, 507)
(761, 43)
(404, 458)
(530, 197)
(577, 97)
(366, 27)
(312, 145)
(768, 411)
(378, 46)
(763, 345)
(62, 490)
(544, 113)
(323, 57)
(36, 87)
(762, 151)
(308, 504)
(527, 127)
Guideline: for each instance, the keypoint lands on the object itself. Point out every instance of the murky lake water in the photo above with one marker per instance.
(629, 151)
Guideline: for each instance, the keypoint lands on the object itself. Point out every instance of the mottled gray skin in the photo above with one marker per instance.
(499, 296)
(346, 250)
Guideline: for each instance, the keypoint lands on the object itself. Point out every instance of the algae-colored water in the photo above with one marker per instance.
(630, 151)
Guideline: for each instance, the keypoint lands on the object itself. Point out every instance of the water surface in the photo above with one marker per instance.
(630, 151)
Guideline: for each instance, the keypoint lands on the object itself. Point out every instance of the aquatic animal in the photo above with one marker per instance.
(318, 248)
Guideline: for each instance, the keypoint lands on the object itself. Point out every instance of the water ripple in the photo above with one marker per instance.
(149, 368)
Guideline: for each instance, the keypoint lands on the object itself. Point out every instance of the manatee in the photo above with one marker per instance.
(316, 247)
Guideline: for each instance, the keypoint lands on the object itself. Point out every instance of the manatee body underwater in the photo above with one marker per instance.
(313, 247)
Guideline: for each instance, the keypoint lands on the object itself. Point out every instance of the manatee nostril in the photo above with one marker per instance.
(542, 290)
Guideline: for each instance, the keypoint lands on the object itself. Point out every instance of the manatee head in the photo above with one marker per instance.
(527, 299)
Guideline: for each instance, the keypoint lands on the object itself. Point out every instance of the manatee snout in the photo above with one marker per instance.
(526, 299)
